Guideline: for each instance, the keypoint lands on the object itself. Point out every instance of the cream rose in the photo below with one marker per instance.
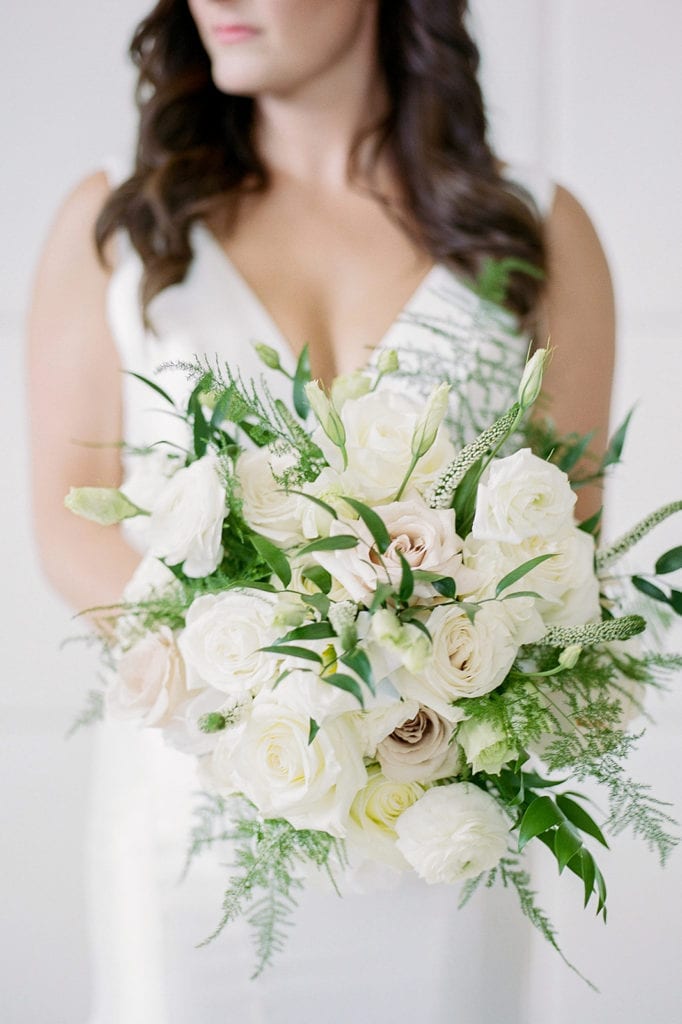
(468, 658)
(522, 496)
(379, 430)
(312, 785)
(187, 518)
(222, 639)
(485, 747)
(453, 833)
(267, 508)
(374, 813)
(419, 749)
(424, 537)
(149, 681)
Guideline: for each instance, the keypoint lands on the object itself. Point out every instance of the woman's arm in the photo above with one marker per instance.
(578, 318)
(75, 405)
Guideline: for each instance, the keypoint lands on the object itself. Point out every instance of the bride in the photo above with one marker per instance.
(307, 171)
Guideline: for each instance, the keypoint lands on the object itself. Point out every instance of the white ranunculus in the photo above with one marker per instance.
(453, 833)
(373, 816)
(424, 537)
(187, 518)
(312, 785)
(419, 749)
(267, 508)
(379, 429)
(468, 658)
(222, 639)
(485, 747)
(566, 582)
(522, 496)
(150, 680)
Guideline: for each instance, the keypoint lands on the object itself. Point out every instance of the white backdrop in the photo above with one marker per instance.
(590, 88)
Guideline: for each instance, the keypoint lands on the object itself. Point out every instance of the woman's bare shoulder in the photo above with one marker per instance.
(71, 237)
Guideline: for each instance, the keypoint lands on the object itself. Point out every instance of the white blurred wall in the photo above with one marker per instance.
(590, 88)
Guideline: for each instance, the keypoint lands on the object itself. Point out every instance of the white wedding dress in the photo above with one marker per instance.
(390, 956)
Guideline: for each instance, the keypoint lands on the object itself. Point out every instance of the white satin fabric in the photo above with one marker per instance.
(387, 957)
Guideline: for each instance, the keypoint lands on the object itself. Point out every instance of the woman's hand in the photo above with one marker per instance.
(75, 405)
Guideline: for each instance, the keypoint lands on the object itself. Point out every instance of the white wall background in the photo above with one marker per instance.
(590, 88)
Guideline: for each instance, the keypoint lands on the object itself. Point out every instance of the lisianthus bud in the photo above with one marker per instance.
(326, 414)
(569, 656)
(103, 505)
(349, 385)
(430, 420)
(268, 355)
(531, 381)
(387, 361)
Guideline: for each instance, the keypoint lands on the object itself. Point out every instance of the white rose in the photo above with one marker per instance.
(222, 639)
(522, 496)
(424, 537)
(468, 658)
(308, 695)
(267, 508)
(187, 519)
(149, 681)
(374, 813)
(485, 747)
(453, 833)
(566, 582)
(419, 749)
(379, 430)
(312, 785)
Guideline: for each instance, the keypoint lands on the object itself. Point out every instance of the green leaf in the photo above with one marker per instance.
(312, 731)
(574, 453)
(406, 588)
(152, 385)
(579, 817)
(584, 866)
(415, 622)
(671, 561)
(373, 522)
(601, 890)
(446, 587)
(592, 524)
(358, 661)
(291, 651)
(464, 502)
(320, 602)
(200, 428)
(319, 576)
(316, 501)
(273, 556)
(615, 449)
(676, 601)
(522, 593)
(381, 595)
(541, 814)
(312, 631)
(301, 378)
(566, 844)
(347, 683)
(342, 542)
(650, 589)
(520, 572)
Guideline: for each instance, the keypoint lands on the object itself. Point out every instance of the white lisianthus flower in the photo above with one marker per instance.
(267, 508)
(423, 536)
(183, 730)
(522, 496)
(150, 680)
(420, 749)
(374, 813)
(566, 582)
(312, 785)
(393, 643)
(485, 747)
(187, 518)
(453, 833)
(468, 658)
(222, 639)
(379, 428)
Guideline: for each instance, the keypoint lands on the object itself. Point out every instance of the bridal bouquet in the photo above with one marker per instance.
(383, 650)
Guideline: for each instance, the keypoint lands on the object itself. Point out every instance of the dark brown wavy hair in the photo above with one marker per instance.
(195, 152)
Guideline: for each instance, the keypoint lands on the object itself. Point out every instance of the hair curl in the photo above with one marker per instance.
(195, 152)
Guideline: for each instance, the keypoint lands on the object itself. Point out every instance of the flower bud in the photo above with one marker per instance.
(349, 385)
(268, 355)
(326, 414)
(430, 420)
(387, 361)
(103, 505)
(568, 658)
(213, 722)
(531, 381)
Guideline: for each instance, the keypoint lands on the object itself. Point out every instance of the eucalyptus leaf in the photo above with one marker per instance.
(319, 576)
(406, 588)
(676, 601)
(347, 683)
(358, 661)
(381, 595)
(312, 731)
(311, 631)
(292, 651)
(464, 502)
(342, 542)
(446, 587)
(520, 571)
(320, 602)
(650, 589)
(671, 561)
